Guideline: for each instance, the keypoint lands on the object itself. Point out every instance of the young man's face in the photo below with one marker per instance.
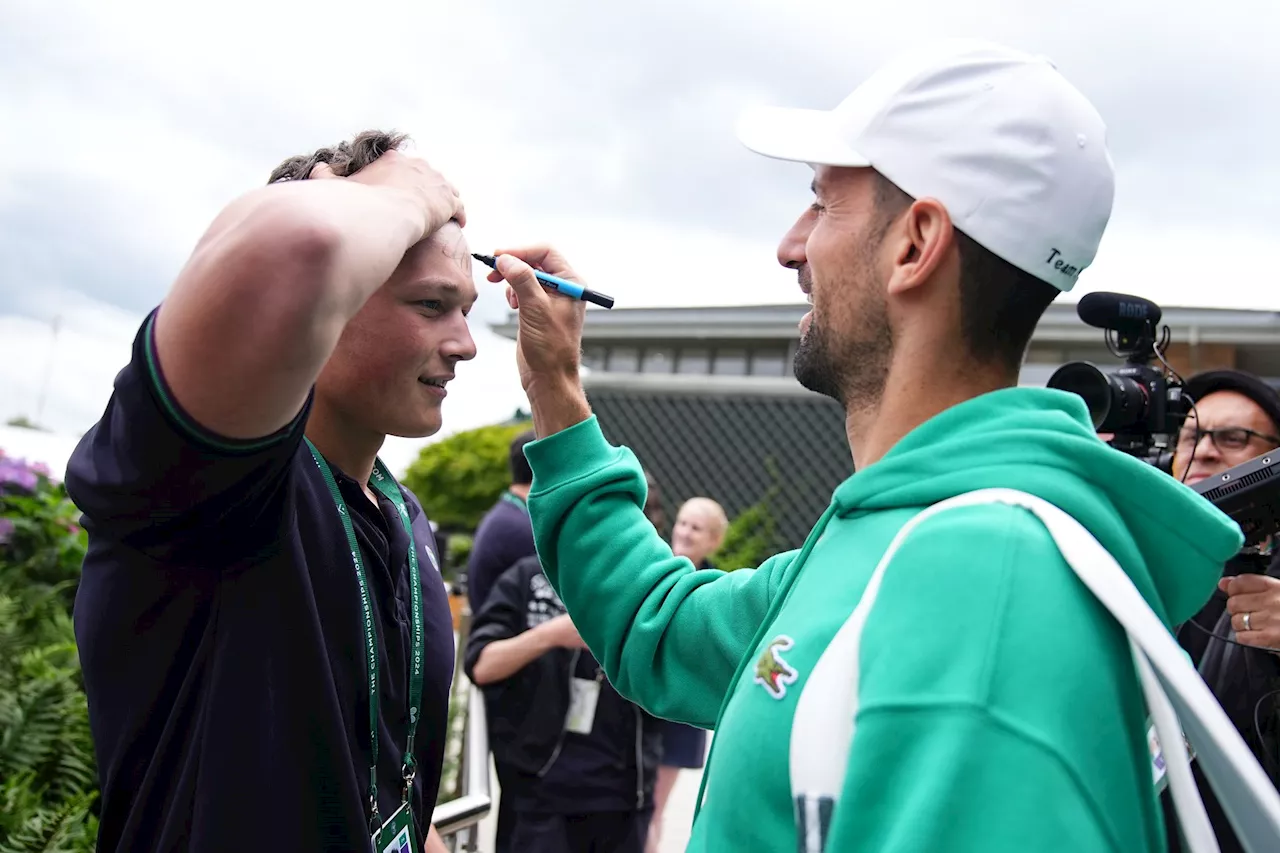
(394, 360)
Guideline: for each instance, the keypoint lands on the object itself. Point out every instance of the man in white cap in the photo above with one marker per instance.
(969, 694)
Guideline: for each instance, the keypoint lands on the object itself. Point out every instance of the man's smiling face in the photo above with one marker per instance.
(394, 359)
(845, 340)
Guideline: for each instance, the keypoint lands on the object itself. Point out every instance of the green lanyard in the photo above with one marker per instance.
(386, 484)
(515, 499)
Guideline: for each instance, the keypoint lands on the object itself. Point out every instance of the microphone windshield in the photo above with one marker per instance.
(1117, 311)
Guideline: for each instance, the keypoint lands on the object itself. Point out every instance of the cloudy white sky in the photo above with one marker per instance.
(127, 125)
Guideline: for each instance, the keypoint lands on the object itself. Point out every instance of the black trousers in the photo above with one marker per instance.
(505, 823)
(506, 811)
(600, 832)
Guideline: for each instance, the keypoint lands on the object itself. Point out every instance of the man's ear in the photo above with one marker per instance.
(921, 243)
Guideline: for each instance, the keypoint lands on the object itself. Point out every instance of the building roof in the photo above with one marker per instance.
(706, 398)
(1059, 324)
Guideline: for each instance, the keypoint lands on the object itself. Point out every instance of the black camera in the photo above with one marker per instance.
(1141, 406)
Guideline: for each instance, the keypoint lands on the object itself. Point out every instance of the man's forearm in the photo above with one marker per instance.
(502, 659)
(557, 403)
(434, 843)
(359, 233)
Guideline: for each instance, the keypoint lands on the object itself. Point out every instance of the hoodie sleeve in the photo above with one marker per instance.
(929, 779)
(669, 636)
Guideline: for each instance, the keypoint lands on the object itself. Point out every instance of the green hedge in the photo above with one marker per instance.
(458, 479)
(48, 779)
(752, 536)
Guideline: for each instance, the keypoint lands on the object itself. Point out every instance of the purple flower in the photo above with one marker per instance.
(16, 476)
(6, 530)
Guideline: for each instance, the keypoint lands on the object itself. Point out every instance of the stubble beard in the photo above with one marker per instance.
(852, 368)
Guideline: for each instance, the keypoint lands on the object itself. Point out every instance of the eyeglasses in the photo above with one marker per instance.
(1224, 438)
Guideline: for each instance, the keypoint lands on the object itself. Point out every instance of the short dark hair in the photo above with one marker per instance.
(521, 473)
(345, 158)
(653, 508)
(1000, 304)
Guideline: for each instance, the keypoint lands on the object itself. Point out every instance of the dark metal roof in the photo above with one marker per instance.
(1060, 323)
(733, 448)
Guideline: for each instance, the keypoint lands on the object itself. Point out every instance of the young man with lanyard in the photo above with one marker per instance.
(266, 640)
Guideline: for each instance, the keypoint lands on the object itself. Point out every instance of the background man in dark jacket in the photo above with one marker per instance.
(1237, 417)
(505, 534)
(581, 759)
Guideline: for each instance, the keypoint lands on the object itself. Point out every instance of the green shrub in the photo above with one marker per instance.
(458, 479)
(752, 536)
(49, 778)
(457, 552)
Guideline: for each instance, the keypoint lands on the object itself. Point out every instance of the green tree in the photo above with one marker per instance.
(25, 422)
(48, 778)
(457, 552)
(459, 478)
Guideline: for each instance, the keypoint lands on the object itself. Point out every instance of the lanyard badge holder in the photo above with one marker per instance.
(396, 834)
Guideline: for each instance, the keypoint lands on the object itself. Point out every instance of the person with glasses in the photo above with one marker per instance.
(1237, 413)
(1232, 638)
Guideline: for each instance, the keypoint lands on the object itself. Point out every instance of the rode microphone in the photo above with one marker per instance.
(1118, 311)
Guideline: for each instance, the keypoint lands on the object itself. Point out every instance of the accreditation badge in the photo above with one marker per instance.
(1159, 765)
(396, 835)
(584, 694)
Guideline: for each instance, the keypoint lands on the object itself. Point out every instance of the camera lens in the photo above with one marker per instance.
(1115, 403)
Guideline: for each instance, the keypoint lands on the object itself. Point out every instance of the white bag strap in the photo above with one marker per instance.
(1175, 693)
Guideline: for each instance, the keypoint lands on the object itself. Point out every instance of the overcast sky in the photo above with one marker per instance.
(127, 125)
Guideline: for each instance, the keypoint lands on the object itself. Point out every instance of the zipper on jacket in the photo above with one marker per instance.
(639, 760)
(555, 753)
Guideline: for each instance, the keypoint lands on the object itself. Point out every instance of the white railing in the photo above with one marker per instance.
(458, 820)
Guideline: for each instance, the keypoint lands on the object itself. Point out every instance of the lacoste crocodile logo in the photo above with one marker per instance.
(772, 672)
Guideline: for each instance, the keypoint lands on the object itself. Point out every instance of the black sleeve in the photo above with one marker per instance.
(148, 476)
(481, 571)
(500, 541)
(502, 616)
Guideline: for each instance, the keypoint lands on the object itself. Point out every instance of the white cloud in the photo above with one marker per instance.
(71, 373)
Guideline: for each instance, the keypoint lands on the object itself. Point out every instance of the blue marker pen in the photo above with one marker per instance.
(568, 288)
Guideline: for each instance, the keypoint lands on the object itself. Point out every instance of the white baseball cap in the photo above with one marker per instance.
(1016, 154)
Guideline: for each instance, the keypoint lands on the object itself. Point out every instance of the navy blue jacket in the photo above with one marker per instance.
(220, 632)
(611, 769)
(505, 535)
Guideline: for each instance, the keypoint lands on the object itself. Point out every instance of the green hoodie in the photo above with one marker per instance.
(998, 708)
